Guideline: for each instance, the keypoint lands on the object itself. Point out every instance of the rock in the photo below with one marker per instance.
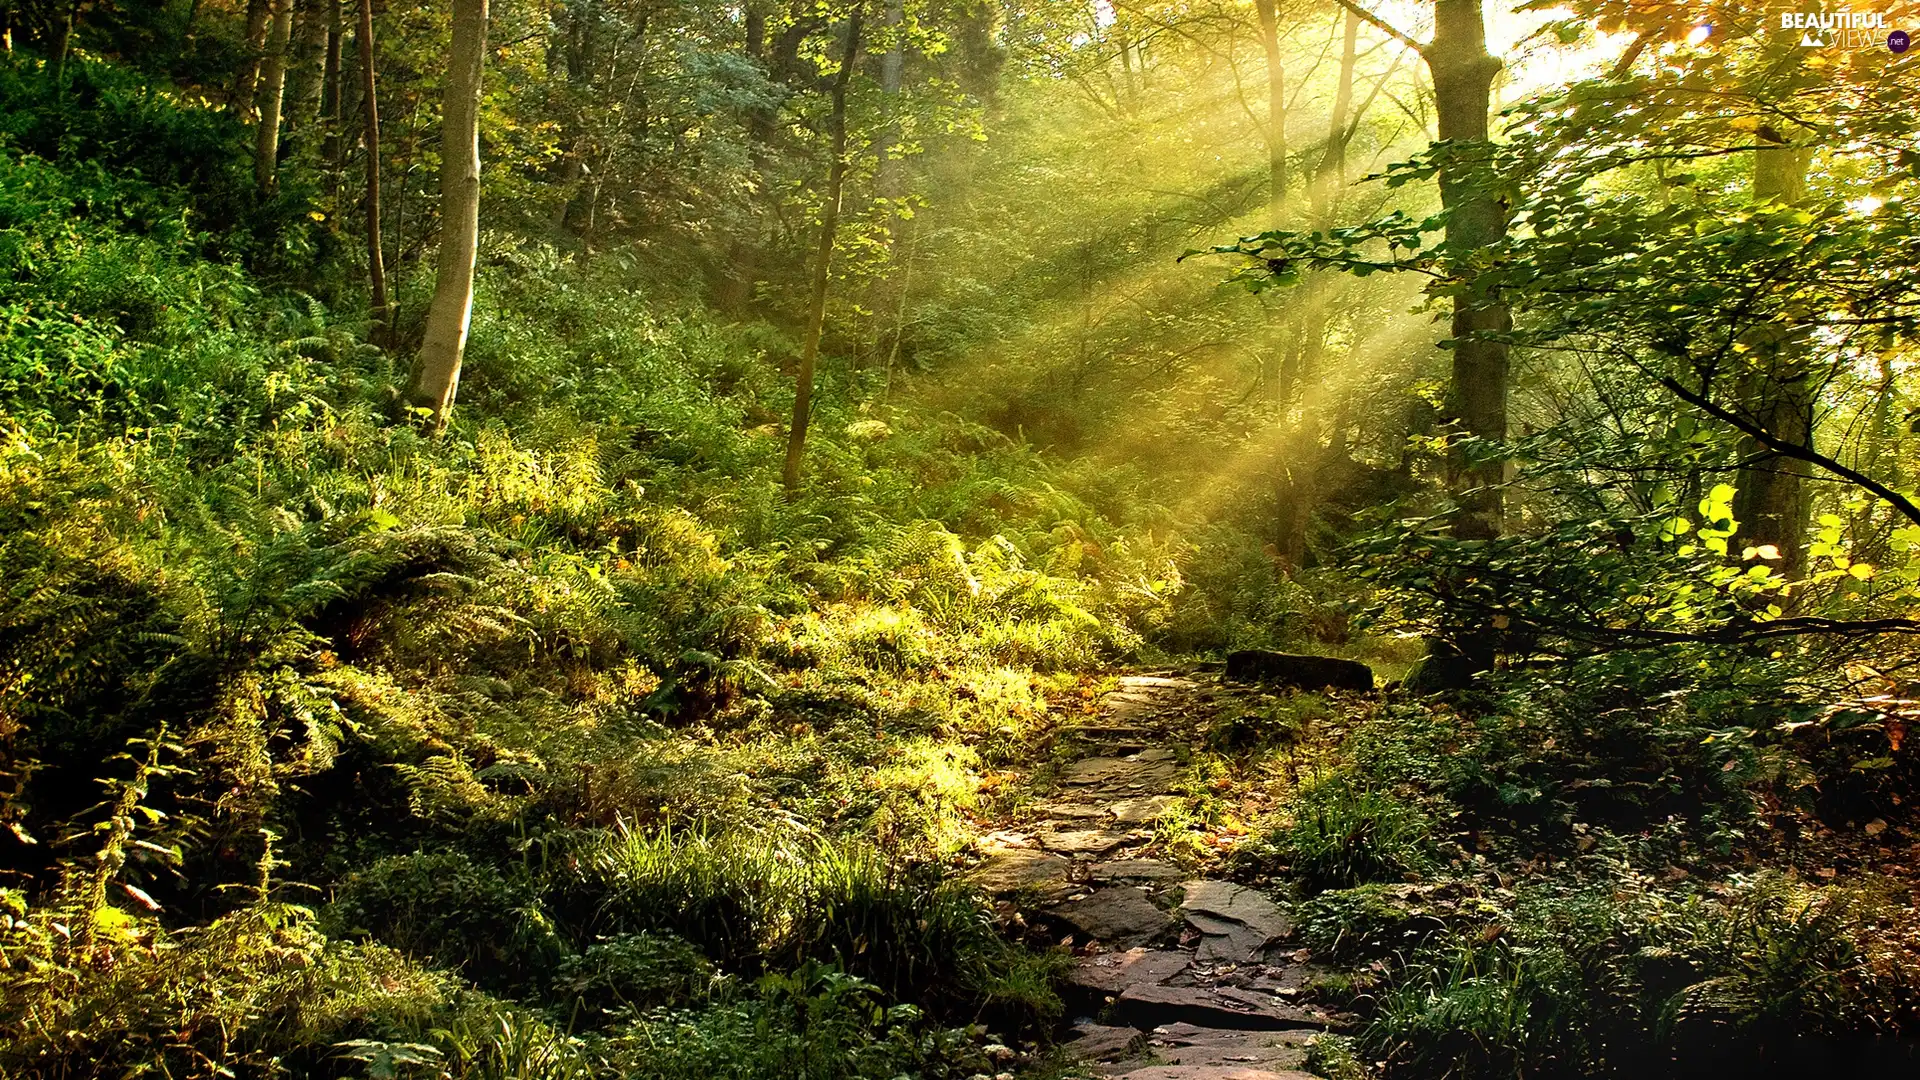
(1185, 1044)
(1212, 1072)
(1135, 771)
(1099, 1042)
(1010, 870)
(1116, 732)
(1237, 923)
(1112, 973)
(1140, 809)
(1081, 841)
(1121, 709)
(1158, 682)
(1135, 870)
(1149, 1005)
(1072, 810)
(1117, 915)
(1299, 671)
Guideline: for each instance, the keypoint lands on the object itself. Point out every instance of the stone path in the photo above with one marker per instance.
(1177, 978)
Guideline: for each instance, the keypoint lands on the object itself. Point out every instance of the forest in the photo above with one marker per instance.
(959, 539)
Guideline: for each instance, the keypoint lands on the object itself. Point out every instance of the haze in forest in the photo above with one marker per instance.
(958, 539)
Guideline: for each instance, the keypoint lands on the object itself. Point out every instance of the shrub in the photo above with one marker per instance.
(1614, 978)
(1346, 832)
(1365, 921)
(632, 973)
(446, 907)
(816, 1023)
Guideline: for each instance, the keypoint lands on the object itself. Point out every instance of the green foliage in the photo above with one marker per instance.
(751, 901)
(633, 973)
(1621, 977)
(445, 907)
(813, 1024)
(1346, 832)
(1368, 921)
(1336, 1058)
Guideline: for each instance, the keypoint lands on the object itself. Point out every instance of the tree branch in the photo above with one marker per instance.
(1784, 448)
(1383, 26)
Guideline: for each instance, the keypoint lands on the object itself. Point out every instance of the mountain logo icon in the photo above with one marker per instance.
(1809, 41)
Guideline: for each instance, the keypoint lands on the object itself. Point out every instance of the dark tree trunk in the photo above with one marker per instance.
(1771, 503)
(380, 330)
(1476, 402)
(246, 82)
(331, 96)
(822, 261)
(1463, 74)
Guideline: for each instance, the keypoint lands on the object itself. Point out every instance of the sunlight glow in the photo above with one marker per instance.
(1866, 204)
(1699, 34)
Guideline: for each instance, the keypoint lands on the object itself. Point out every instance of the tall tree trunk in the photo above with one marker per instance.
(306, 66)
(1476, 401)
(436, 372)
(331, 96)
(1304, 458)
(380, 330)
(822, 261)
(273, 82)
(1771, 503)
(1130, 95)
(246, 82)
(889, 182)
(63, 41)
(1330, 174)
(1276, 111)
(1463, 74)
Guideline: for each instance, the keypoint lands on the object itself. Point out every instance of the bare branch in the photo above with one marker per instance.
(1383, 26)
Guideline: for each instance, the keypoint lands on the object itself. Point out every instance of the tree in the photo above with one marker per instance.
(1779, 394)
(273, 81)
(1276, 109)
(246, 81)
(823, 257)
(306, 65)
(382, 314)
(1301, 454)
(436, 371)
(1463, 73)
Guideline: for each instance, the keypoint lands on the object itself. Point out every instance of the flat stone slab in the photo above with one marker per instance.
(1236, 923)
(1135, 870)
(1072, 810)
(1133, 772)
(1101, 1042)
(1112, 973)
(1140, 809)
(1081, 841)
(1008, 870)
(1150, 1005)
(1186, 1044)
(1117, 915)
(1213, 1072)
(1158, 682)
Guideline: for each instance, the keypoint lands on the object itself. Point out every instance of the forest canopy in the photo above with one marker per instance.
(976, 539)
